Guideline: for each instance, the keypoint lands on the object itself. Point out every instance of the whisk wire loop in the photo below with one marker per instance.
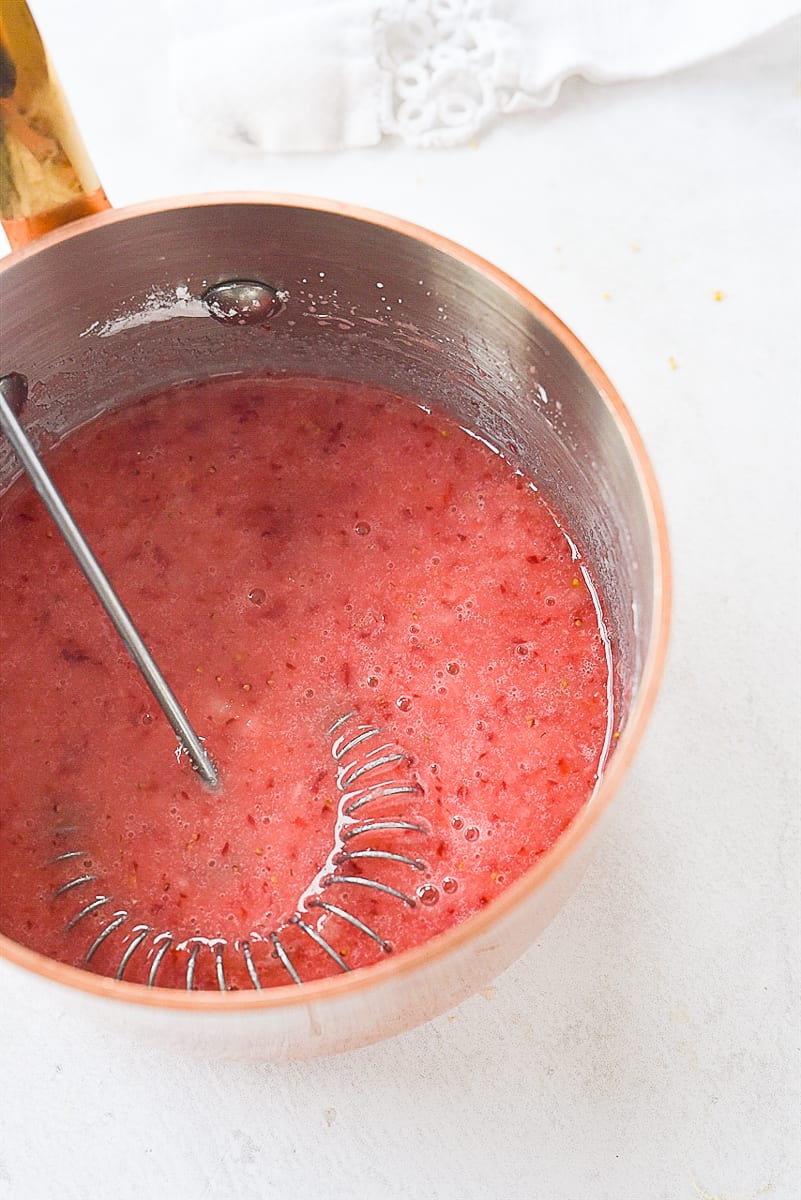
(355, 761)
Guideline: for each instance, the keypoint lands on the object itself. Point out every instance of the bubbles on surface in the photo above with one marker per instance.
(404, 703)
(362, 528)
(428, 894)
(449, 885)
(471, 834)
(257, 595)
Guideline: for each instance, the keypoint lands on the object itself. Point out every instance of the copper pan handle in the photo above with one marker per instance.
(46, 177)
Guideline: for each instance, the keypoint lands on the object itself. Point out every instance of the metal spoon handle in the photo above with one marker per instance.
(13, 392)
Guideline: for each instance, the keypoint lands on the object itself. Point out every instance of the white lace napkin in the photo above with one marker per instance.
(280, 75)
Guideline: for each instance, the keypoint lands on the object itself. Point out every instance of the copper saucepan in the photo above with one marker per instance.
(100, 306)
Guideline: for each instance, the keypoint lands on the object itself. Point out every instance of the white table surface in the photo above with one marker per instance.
(647, 1045)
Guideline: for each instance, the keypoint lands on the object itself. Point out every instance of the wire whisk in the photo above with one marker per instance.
(375, 782)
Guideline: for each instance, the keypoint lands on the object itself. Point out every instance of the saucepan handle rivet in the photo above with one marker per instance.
(243, 301)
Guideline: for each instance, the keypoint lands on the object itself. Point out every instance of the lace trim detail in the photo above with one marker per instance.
(440, 61)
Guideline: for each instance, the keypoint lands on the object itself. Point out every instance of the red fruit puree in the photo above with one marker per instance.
(386, 639)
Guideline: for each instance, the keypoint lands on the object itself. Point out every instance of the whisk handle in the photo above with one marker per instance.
(13, 392)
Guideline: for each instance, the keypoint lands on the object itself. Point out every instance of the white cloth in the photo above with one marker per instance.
(283, 75)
